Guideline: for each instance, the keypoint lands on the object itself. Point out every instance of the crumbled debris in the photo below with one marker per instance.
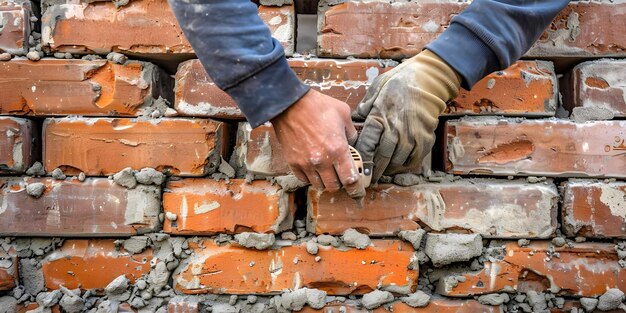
(536, 300)
(255, 240)
(610, 300)
(443, 249)
(535, 180)
(558, 241)
(71, 302)
(327, 240)
(149, 176)
(352, 238)
(8, 304)
(226, 169)
(91, 57)
(311, 247)
(589, 304)
(412, 236)
(33, 56)
(57, 174)
(523, 242)
(288, 236)
(36, 170)
(118, 289)
(35, 190)
(418, 299)
(81, 177)
(48, 299)
(117, 58)
(222, 239)
(295, 300)
(494, 299)
(376, 298)
(136, 244)
(170, 216)
(125, 178)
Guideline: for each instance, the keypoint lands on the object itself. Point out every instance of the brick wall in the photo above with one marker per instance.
(130, 183)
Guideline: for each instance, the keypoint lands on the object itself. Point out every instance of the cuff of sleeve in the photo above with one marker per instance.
(268, 93)
(466, 53)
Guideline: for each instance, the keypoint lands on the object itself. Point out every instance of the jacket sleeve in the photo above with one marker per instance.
(240, 55)
(491, 34)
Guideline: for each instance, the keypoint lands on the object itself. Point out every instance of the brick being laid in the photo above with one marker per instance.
(389, 29)
(259, 152)
(15, 28)
(594, 209)
(596, 85)
(582, 270)
(104, 146)
(52, 87)
(19, 144)
(556, 148)
(97, 207)
(204, 206)
(494, 209)
(233, 269)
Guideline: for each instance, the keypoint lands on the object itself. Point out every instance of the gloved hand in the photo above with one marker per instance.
(401, 108)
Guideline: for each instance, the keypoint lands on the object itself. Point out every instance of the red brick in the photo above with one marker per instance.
(206, 206)
(94, 208)
(597, 84)
(490, 208)
(15, 28)
(104, 146)
(236, 270)
(439, 305)
(594, 209)
(80, 87)
(92, 264)
(8, 269)
(346, 80)
(183, 305)
(585, 269)
(19, 141)
(530, 147)
(141, 27)
(398, 30)
(33, 307)
(526, 88)
(259, 151)
(282, 23)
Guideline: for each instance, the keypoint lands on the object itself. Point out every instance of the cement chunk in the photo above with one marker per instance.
(443, 249)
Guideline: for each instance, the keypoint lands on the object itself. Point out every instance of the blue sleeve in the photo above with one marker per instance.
(489, 35)
(238, 52)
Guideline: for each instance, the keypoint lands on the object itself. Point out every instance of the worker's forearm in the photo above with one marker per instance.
(240, 55)
(490, 35)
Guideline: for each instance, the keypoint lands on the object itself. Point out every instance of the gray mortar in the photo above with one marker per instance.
(33, 56)
(125, 178)
(523, 242)
(290, 183)
(49, 299)
(418, 299)
(610, 300)
(536, 300)
(71, 301)
(136, 244)
(118, 289)
(255, 240)
(35, 189)
(408, 179)
(376, 298)
(117, 58)
(589, 304)
(311, 247)
(558, 241)
(412, 236)
(353, 238)
(8, 304)
(36, 170)
(443, 249)
(31, 276)
(57, 174)
(328, 240)
(150, 176)
(494, 299)
(295, 300)
(226, 169)
(584, 114)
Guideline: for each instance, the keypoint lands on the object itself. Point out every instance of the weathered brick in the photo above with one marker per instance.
(183, 305)
(526, 88)
(92, 264)
(34, 307)
(535, 147)
(398, 30)
(19, 144)
(93, 208)
(282, 23)
(15, 28)
(140, 27)
(236, 270)
(594, 209)
(104, 146)
(439, 305)
(259, 152)
(206, 206)
(81, 87)
(8, 269)
(490, 208)
(346, 80)
(585, 269)
(596, 85)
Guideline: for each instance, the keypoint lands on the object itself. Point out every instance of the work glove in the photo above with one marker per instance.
(401, 110)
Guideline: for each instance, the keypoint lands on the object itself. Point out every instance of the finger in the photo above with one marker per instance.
(349, 175)
(404, 150)
(351, 134)
(314, 178)
(329, 178)
(383, 154)
(369, 138)
(365, 106)
(299, 174)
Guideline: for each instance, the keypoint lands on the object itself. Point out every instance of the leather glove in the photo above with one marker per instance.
(401, 110)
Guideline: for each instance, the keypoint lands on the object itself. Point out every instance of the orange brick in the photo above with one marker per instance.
(92, 264)
(594, 209)
(94, 208)
(531, 147)
(206, 206)
(526, 88)
(19, 144)
(490, 208)
(346, 80)
(236, 270)
(33, 307)
(282, 23)
(597, 84)
(81, 87)
(8, 269)
(439, 305)
(140, 27)
(15, 28)
(397, 30)
(585, 269)
(104, 146)
(259, 151)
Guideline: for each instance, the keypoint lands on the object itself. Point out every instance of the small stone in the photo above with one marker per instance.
(589, 304)
(255, 240)
(318, 258)
(327, 240)
(311, 247)
(559, 241)
(5, 56)
(251, 299)
(418, 299)
(125, 178)
(35, 190)
(57, 174)
(232, 300)
(376, 298)
(494, 299)
(288, 236)
(81, 177)
(33, 56)
(36, 170)
(226, 169)
(610, 300)
(117, 58)
(523, 242)
(299, 224)
(352, 238)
